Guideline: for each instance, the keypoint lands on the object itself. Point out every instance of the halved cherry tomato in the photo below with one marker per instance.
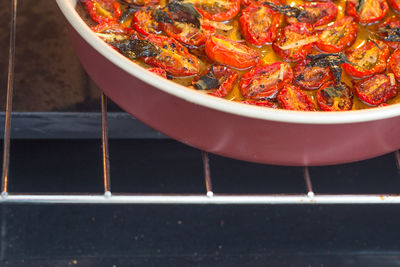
(187, 33)
(389, 25)
(395, 4)
(218, 10)
(367, 11)
(259, 24)
(103, 10)
(394, 64)
(333, 97)
(338, 36)
(264, 82)
(174, 57)
(311, 78)
(227, 79)
(315, 13)
(292, 98)
(144, 22)
(376, 89)
(159, 71)
(231, 53)
(142, 2)
(294, 42)
(261, 103)
(367, 60)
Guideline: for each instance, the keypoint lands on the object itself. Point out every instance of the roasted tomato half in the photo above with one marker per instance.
(219, 10)
(259, 24)
(311, 78)
(315, 13)
(395, 4)
(264, 82)
(292, 98)
(231, 53)
(338, 36)
(376, 89)
(219, 79)
(159, 71)
(367, 60)
(187, 33)
(334, 97)
(113, 31)
(144, 22)
(367, 11)
(389, 32)
(103, 10)
(294, 42)
(394, 64)
(141, 2)
(174, 58)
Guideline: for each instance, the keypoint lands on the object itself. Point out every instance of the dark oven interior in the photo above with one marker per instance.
(267, 215)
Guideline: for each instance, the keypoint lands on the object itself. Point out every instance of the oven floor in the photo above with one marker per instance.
(175, 235)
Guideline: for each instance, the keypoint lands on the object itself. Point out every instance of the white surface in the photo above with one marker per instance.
(68, 9)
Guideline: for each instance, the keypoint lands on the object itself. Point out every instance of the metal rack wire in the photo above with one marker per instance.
(209, 196)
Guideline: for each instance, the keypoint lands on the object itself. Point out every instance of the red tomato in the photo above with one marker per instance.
(316, 13)
(395, 4)
(292, 98)
(144, 22)
(376, 89)
(331, 97)
(220, 10)
(142, 2)
(394, 64)
(159, 71)
(261, 103)
(111, 27)
(227, 79)
(367, 60)
(294, 42)
(187, 34)
(367, 11)
(338, 36)
(259, 24)
(310, 78)
(264, 82)
(388, 25)
(231, 53)
(103, 10)
(174, 57)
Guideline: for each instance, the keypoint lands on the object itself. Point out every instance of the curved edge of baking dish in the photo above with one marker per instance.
(68, 9)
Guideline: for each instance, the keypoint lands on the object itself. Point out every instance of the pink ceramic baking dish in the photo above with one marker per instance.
(228, 128)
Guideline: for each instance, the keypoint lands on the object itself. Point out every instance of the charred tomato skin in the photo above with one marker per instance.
(318, 13)
(375, 90)
(394, 64)
(292, 98)
(227, 79)
(291, 34)
(264, 82)
(259, 24)
(330, 41)
(174, 58)
(311, 78)
(144, 23)
(380, 58)
(343, 101)
(229, 11)
(390, 23)
(377, 15)
(95, 7)
(227, 52)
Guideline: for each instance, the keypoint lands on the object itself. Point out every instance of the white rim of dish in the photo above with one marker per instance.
(68, 9)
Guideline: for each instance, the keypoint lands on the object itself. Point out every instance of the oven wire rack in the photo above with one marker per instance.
(209, 196)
